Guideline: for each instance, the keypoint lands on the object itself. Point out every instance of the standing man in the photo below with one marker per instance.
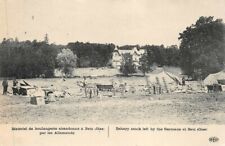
(5, 86)
(183, 81)
(85, 86)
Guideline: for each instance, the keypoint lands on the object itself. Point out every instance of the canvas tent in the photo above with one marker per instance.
(214, 78)
(160, 78)
(167, 81)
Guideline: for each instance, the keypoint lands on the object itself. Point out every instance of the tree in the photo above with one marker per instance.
(144, 64)
(202, 48)
(127, 66)
(66, 61)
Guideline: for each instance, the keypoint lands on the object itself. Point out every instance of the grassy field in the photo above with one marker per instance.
(173, 108)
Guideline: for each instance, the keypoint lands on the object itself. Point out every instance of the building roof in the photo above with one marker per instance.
(129, 50)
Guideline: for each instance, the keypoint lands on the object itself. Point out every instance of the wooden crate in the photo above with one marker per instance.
(37, 100)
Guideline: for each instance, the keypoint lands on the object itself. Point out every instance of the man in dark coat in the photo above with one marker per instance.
(5, 86)
(183, 81)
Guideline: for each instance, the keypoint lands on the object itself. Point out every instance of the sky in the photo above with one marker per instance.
(104, 21)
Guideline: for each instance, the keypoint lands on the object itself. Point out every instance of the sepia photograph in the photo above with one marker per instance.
(112, 62)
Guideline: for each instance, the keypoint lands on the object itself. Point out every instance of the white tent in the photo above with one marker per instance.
(213, 78)
(162, 77)
(167, 81)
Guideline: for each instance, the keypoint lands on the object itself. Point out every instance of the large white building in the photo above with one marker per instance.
(117, 56)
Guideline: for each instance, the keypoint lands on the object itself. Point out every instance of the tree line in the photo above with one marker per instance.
(92, 54)
(201, 52)
(27, 59)
(161, 55)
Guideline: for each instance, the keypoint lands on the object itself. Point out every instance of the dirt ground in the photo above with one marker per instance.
(173, 108)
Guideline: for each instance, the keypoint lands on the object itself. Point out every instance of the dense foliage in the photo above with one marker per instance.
(203, 47)
(27, 59)
(161, 55)
(91, 54)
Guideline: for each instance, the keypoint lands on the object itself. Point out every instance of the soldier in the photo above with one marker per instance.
(85, 86)
(15, 82)
(5, 86)
(183, 81)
